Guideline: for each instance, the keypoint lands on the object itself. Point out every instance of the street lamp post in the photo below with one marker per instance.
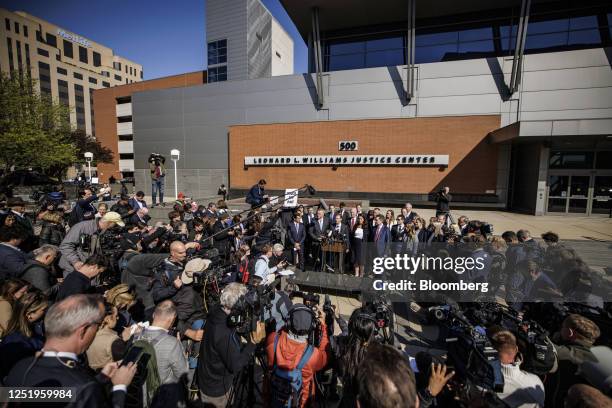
(89, 159)
(175, 155)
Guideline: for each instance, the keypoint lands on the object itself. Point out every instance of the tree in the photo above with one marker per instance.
(34, 129)
(86, 143)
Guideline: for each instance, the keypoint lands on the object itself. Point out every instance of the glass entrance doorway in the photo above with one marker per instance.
(579, 194)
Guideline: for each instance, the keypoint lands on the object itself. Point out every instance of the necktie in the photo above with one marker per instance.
(377, 233)
(352, 223)
(297, 227)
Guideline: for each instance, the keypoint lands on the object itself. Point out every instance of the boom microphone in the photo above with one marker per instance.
(323, 204)
(311, 189)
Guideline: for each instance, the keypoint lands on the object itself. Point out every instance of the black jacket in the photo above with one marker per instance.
(74, 284)
(223, 239)
(222, 355)
(51, 233)
(443, 202)
(139, 275)
(12, 261)
(51, 372)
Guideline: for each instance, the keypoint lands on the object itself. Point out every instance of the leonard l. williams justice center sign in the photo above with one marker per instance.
(350, 160)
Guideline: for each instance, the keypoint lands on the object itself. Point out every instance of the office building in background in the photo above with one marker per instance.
(66, 65)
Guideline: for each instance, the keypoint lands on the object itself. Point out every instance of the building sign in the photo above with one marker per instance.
(434, 160)
(74, 38)
(348, 145)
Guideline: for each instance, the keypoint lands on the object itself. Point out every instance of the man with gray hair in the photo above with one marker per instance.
(37, 271)
(70, 328)
(169, 352)
(222, 353)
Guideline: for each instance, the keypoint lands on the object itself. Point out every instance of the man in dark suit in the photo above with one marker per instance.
(308, 220)
(398, 236)
(341, 230)
(296, 237)
(12, 259)
(382, 236)
(317, 232)
(344, 213)
(17, 213)
(331, 215)
(70, 328)
(222, 240)
(256, 195)
(410, 215)
(137, 202)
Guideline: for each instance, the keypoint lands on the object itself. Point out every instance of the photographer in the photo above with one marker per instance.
(290, 349)
(573, 344)
(158, 176)
(173, 281)
(262, 266)
(222, 238)
(123, 208)
(443, 199)
(83, 209)
(521, 389)
(222, 354)
(256, 195)
(83, 240)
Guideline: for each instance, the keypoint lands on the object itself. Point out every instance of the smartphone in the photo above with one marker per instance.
(132, 356)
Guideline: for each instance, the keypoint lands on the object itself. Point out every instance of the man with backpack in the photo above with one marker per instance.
(166, 356)
(293, 360)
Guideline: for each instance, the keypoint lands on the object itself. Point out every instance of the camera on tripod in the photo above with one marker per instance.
(156, 158)
(249, 309)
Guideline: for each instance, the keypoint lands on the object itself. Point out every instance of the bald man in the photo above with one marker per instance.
(168, 285)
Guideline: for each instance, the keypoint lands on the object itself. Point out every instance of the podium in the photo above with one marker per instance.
(335, 250)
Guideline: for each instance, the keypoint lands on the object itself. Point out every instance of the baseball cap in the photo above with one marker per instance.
(181, 195)
(194, 266)
(301, 319)
(114, 217)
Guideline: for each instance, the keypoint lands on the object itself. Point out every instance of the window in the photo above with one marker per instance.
(91, 111)
(77, 75)
(105, 84)
(126, 156)
(27, 50)
(68, 50)
(105, 74)
(124, 119)
(62, 87)
(58, 57)
(7, 24)
(9, 44)
(79, 106)
(97, 61)
(117, 65)
(42, 52)
(126, 138)
(83, 55)
(19, 59)
(25, 30)
(93, 80)
(126, 69)
(39, 37)
(16, 27)
(217, 74)
(123, 99)
(62, 71)
(118, 77)
(141, 74)
(217, 52)
(44, 78)
(571, 160)
(51, 40)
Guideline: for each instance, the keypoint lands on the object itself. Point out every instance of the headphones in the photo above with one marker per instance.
(300, 308)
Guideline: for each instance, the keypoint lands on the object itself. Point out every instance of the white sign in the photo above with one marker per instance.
(291, 198)
(390, 160)
(74, 38)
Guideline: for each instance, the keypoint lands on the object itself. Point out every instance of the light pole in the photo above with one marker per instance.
(175, 155)
(89, 159)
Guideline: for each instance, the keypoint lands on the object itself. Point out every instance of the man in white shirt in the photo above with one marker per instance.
(262, 267)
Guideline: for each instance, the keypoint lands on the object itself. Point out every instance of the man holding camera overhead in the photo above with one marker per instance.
(158, 175)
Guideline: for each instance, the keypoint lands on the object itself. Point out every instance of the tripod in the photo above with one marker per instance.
(245, 388)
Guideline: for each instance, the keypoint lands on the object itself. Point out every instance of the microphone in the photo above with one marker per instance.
(311, 190)
(323, 204)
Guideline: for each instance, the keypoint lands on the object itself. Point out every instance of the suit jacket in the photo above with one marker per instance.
(344, 231)
(255, 195)
(346, 216)
(410, 217)
(331, 217)
(306, 223)
(50, 372)
(12, 262)
(316, 231)
(382, 243)
(134, 203)
(298, 235)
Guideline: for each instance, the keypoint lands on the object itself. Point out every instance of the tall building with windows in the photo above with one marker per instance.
(244, 41)
(66, 65)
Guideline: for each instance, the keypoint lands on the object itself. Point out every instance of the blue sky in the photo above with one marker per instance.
(167, 38)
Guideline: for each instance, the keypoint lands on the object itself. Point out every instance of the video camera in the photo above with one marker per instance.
(380, 309)
(469, 351)
(156, 158)
(249, 309)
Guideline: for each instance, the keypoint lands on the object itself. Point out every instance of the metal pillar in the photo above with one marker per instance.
(318, 60)
(410, 45)
(519, 47)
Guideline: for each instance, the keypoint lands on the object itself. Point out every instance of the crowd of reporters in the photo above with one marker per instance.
(207, 295)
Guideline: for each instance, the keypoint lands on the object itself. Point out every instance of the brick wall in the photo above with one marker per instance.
(472, 160)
